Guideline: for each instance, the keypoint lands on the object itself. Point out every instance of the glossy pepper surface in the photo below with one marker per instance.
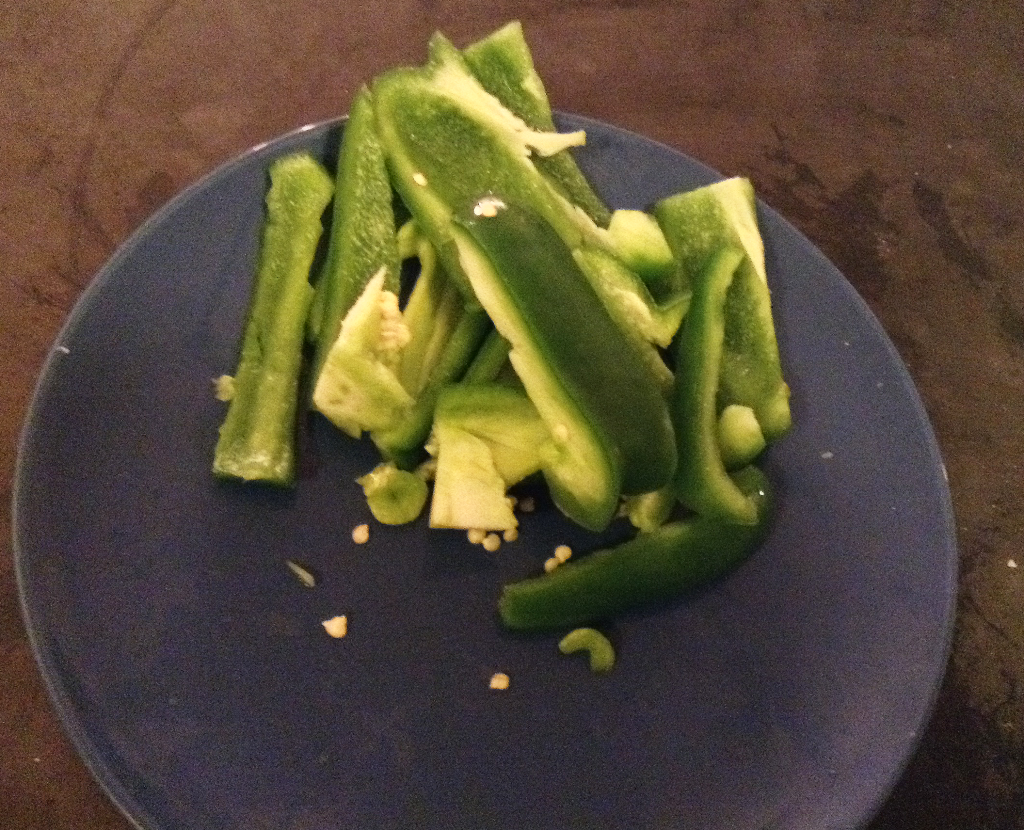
(701, 480)
(610, 428)
(697, 225)
(652, 567)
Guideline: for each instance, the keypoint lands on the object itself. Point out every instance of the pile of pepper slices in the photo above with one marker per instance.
(628, 357)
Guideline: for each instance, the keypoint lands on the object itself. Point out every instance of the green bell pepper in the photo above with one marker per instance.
(701, 480)
(652, 567)
(257, 437)
(363, 238)
(610, 428)
(697, 224)
(449, 142)
(403, 441)
(503, 64)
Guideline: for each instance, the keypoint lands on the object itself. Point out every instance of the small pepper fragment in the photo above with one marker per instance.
(394, 496)
(597, 646)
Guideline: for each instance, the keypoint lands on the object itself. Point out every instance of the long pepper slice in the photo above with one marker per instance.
(257, 438)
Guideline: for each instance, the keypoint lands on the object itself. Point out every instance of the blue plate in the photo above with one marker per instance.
(191, 669)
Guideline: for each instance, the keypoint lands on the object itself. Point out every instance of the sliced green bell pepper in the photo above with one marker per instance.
(697, 224)
(652, 567)
(449, 142)
(490, 360)
(486, 438)
(403, 441)
(503, 64)
(609, 423)
(362, 237)
(701, 480)
(257, 437)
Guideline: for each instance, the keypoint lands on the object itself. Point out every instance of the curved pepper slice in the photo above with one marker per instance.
(652, 567)
(697, 224)
(609, 423)
(701, 480)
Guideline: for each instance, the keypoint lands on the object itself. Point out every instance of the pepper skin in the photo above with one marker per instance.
(652, 567)
(701, 480)
(257, 438)
(610, 425)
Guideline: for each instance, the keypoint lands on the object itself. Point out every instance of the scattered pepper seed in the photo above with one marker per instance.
(526, 504)
(511, 534)
(499, 680)
(551, 564)
(488, 207)
(476, 535)
(361, 534)
(562, 553)
(491, 542)
(224, 388)
(337, 627)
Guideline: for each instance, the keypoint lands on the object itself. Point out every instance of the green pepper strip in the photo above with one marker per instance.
(580, 345)
(701, 480)
(652, 567)
(257, 438)
(699, 223)
(363, 237)
(403, 443)
(490, 360)
(503, 64)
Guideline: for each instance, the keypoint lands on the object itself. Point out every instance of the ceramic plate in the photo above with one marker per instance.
(191, 669)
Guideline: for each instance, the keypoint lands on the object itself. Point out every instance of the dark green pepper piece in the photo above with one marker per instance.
(449, 142)
(652, 567)
(611, 432)
(503, 64)
(697, 224)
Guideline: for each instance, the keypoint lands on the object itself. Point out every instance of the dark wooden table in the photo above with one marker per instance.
(892, 134)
